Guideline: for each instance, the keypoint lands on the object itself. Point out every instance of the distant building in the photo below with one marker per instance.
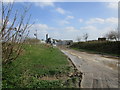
(57, 42)
(49, 40)
(102, 39)
(64, 42)
(46, 36)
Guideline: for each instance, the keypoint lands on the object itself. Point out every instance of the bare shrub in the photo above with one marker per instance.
(85, 36)
(13, 32)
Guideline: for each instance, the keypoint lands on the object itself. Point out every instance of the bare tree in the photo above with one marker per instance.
(85, 36)
(113, 35)
(13, 32)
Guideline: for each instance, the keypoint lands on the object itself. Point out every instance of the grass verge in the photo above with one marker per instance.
(40, 66)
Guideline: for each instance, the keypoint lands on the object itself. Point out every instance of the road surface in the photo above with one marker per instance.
(98, 71)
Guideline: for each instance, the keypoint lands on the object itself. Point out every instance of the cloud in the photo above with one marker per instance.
(63, 33)
(42, 26)
(95, 20)
(112, 5)
(93, 31)
(88, 28)
(69, 17)
(70, 29)
(7, 1)
(66, 20)
(44, 4)
(69, 32)
(60, 10)
(80, 20)
(63, 22)
(111, 20)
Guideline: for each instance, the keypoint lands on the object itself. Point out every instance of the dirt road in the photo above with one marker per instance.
(98, 71)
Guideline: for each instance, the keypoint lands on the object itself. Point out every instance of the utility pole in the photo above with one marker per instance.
(36, 35)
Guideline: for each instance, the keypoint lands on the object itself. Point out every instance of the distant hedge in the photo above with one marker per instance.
(110, 47)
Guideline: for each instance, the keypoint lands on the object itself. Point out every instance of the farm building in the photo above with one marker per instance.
(102, 39)
(64, 42)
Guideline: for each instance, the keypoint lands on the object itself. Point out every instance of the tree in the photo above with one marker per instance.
(13, 32)
(113, 35)
(85, 36)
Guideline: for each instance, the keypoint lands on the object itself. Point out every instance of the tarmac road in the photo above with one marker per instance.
(98, 71)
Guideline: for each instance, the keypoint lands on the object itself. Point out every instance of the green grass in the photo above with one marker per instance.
(36, 61)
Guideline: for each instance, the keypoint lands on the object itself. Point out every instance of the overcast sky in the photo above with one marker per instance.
(69, 20)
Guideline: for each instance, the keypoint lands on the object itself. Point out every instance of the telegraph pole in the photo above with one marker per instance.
(36, 35)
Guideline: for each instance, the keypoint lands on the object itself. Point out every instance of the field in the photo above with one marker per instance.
(40, 66)
(102, 47)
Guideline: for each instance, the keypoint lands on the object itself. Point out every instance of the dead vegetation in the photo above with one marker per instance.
(14, 30)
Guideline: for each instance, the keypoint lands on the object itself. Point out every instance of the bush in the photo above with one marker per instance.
(110, 47)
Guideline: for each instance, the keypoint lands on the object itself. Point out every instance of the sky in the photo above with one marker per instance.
(70, 20)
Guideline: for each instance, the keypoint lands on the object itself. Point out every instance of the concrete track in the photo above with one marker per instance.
(98, 71)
